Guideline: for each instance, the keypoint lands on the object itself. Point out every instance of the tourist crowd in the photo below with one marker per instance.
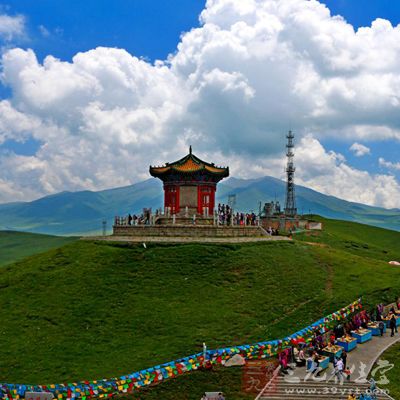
(226, 216)
(272, 231)
(391, 317)
(142, 219)
(312, 354)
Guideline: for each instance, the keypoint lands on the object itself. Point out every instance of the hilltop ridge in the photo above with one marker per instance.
(82, 213)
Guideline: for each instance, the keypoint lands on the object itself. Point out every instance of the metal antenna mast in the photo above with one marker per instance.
(290, 204)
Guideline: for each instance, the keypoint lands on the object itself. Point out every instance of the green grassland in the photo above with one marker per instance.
(227, 380)
(15, 246)
(393, 375)
(358, 239)
(93, 310)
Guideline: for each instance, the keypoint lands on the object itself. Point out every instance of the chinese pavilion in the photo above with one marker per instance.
(190, 185)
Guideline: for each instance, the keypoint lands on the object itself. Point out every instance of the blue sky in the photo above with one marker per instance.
(363, 12)
(151, 30)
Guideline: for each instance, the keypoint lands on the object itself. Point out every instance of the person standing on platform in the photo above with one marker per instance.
(340, 369)
(393, 326)
(344, 359)
(381, 327)
(315, 365)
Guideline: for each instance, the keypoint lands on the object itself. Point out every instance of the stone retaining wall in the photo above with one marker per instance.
(188, 231)
(187, 221)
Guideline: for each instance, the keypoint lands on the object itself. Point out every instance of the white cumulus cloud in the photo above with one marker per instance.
(328, 172)
(389, 164)
(235, 85)
(11, 26)
(359, 149)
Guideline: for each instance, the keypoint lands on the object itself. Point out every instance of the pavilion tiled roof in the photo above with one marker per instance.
(189, 164)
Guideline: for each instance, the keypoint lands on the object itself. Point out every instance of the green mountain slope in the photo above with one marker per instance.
(69, 213)
(15, 246)
(91, 310)
(358, 239)
(83, 212)
(392, 356)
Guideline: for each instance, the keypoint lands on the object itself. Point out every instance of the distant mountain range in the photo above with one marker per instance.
(82, 213)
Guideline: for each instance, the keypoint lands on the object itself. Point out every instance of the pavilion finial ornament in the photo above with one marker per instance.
(190, 149)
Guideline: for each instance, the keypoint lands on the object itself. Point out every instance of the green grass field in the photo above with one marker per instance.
(358, 239)
(93, 310)
(393, 375)
(15, 246)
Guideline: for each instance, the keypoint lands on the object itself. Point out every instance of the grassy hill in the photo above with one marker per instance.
(358, 239)
(392, 355)
(79, 213)
(15, 246)
(92, 310)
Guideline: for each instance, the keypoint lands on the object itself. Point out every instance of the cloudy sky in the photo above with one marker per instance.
(93, 92)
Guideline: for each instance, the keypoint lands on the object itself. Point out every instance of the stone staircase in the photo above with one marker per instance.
(282, 388)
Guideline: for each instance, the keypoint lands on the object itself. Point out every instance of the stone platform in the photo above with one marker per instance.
(182, 240)
(194, 231)
(183, 220)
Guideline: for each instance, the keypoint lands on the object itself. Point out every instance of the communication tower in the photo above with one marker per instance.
(290, 204)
